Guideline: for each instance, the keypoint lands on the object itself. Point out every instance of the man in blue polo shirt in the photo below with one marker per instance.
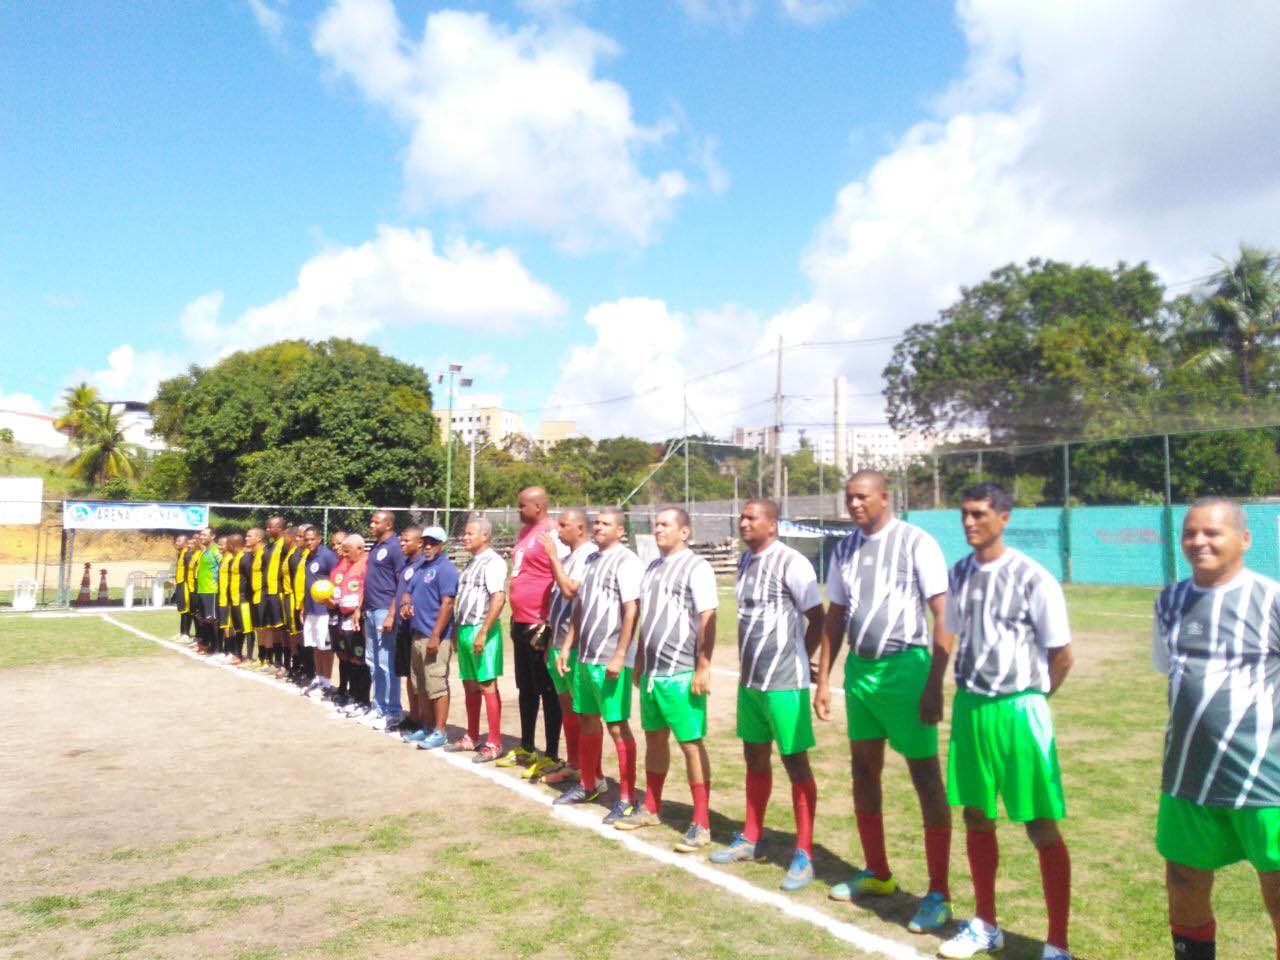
(412, 729)
(315, 616)
(386, 563)
(430, 609)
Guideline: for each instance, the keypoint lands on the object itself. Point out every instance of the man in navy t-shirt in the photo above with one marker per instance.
(315, 616)
(430, 609)
(386, 563)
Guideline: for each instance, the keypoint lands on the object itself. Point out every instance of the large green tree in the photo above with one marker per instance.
(103, 452)
(1033, 353)
(301, 422)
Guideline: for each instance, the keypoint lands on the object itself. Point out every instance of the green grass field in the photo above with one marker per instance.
(1109, 717)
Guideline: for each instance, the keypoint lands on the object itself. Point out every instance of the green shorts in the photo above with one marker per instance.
(1209, 838)
(563, 684)
(1004, 747)
(597, 695)
(667, 703)
(781, 715)
(882, 701)
(488, 664)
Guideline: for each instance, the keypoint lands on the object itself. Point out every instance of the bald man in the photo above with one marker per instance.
(529, 593)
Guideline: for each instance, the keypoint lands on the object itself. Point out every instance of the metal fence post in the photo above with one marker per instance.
(1066, 513)
(1170, 555)
(325, 523)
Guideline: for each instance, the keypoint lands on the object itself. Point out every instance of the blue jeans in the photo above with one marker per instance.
(380, 655)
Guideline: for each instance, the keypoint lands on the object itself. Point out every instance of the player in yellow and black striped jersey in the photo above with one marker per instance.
(251, 589)
(270, 610)
(225, 563)
(292, 618)
(180, 585)
(304, 657)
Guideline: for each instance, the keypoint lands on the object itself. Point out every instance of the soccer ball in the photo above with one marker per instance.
(321, 591)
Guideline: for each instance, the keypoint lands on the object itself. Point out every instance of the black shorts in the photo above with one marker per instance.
(224, 615)
(352, 643)
(530, 664)
(179, 598)
(204, 607)
(270, 612)
(404, 648)
(242, 618)
(292, 622)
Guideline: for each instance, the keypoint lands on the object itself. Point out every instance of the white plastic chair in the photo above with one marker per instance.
(137, 579)
(24, 594)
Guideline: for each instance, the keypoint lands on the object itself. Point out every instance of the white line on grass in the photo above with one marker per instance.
(840, 929)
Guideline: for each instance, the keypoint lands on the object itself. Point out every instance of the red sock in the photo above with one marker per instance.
(1055, 875)
(571, 732)
(804, 801)
(653, 791)
(627, 770)
(589, 747)
(701, 804)
(473, 714)
(759, 786)
(493, 711)
(1205, 934)
(984, 857)
(871, 833)
(937, 855)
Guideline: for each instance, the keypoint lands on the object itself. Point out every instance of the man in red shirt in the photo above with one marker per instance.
(529, 593)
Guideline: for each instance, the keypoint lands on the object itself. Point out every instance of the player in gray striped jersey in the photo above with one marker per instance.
(779, 628)
(678, 603)
(567, 572)
(1014, 650)
(481, 597)
(601, 634)
(882, 578)
(1217, 637)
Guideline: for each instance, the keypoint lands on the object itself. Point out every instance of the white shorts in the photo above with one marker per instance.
(315, 630)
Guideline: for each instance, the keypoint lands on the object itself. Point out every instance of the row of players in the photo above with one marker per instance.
(589, 622)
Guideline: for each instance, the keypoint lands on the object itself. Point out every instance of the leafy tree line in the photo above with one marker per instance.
(1050, 352)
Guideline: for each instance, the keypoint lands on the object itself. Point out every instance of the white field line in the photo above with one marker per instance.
(846, 932)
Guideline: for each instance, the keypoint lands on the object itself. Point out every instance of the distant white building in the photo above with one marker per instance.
(479, 417)
(875, 447)
(754, 438)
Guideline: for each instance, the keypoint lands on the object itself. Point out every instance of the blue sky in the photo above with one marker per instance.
(596, 198)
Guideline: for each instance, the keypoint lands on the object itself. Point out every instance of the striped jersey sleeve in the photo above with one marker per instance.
(1221, 650)
(611, 578)
(774, 589)
(1008, 614)
(674, 593)
(561, 609)
(484, 575)
(883, 581)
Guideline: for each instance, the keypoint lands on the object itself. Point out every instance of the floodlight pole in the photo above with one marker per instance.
(454, 370)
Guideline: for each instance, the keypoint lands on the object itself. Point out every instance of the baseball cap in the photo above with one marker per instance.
(435, 533)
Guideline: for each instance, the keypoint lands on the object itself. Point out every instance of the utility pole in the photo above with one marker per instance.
(760, 468)
(777, 428)
(686, 449)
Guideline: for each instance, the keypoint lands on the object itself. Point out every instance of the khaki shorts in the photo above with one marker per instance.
(430, 671)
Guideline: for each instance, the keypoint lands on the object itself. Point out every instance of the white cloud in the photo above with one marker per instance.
(645, 351)
(514, 126)
(735, 13)
(398, 280)
(270, 18)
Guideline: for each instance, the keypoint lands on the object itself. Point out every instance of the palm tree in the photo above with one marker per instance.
(78, 403)
(104, 451)
(1241, 317)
